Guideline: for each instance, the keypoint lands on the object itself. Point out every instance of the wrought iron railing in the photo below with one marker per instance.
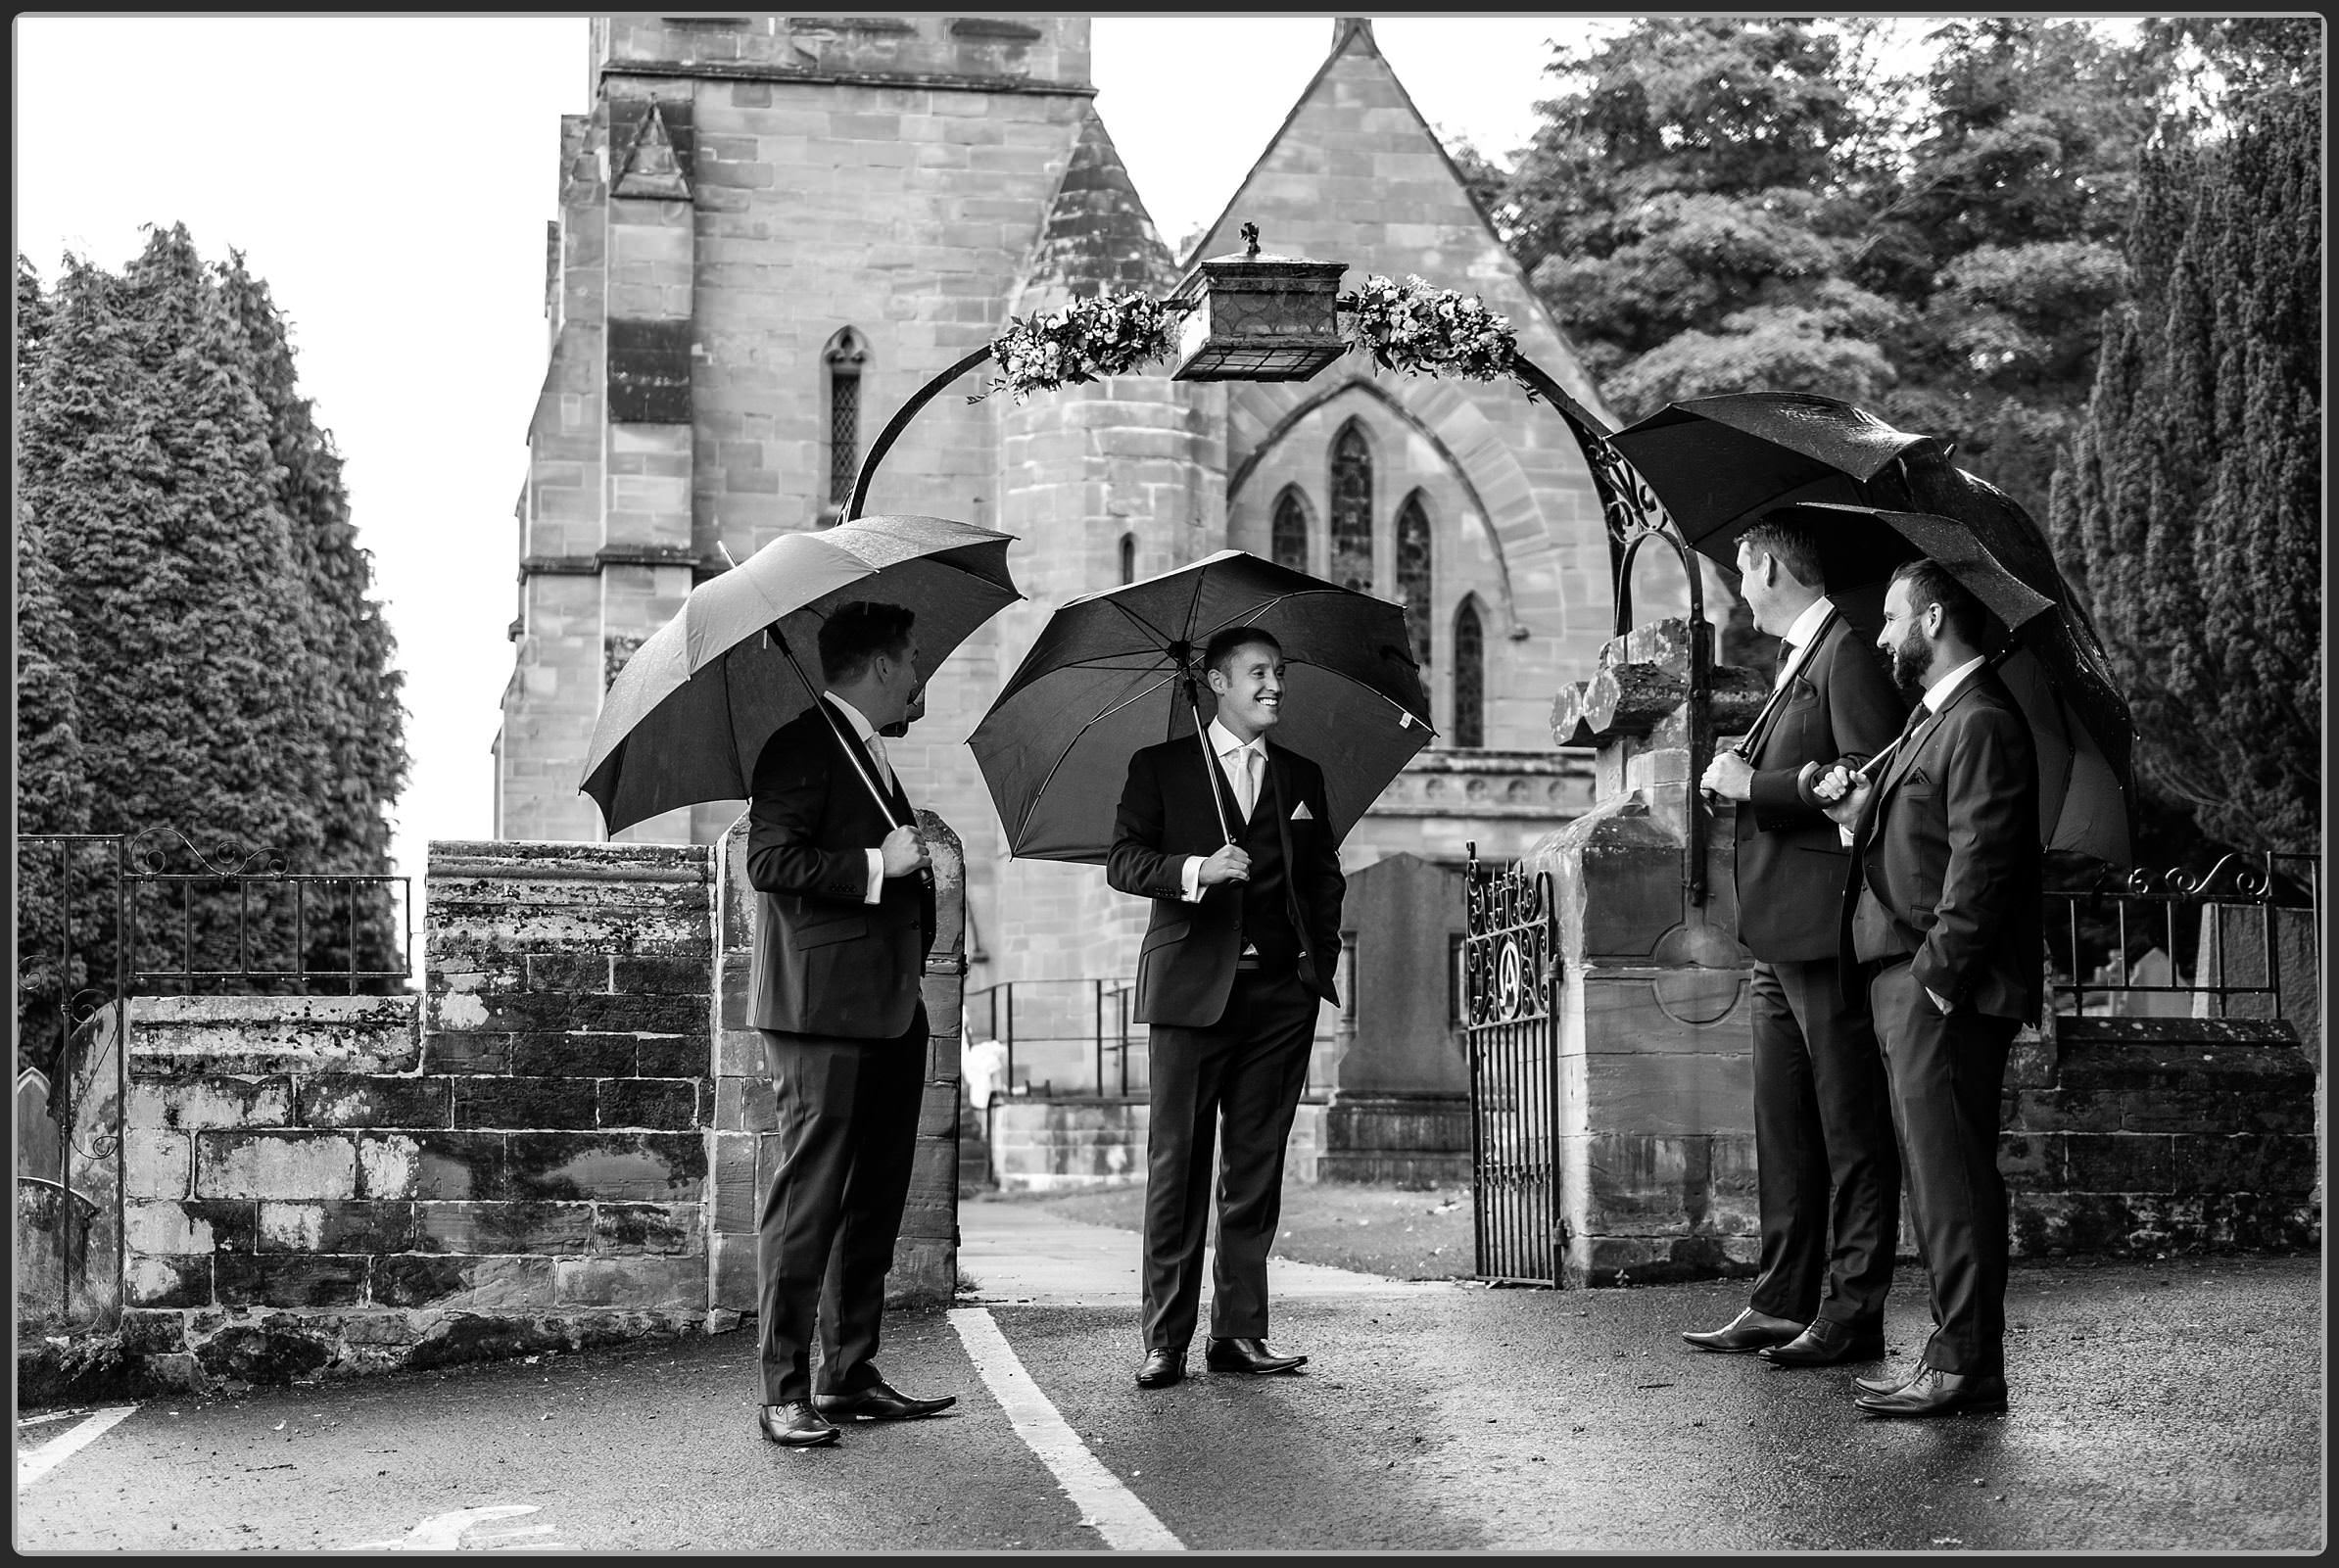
(1057, 1011)
(1511, 976)
(2100, 936)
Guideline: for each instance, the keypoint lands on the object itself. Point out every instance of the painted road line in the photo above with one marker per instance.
(460, 1531)
(38, 1462)
(1116, 1512)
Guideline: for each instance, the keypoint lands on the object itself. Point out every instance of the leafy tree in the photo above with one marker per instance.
(2190, 510)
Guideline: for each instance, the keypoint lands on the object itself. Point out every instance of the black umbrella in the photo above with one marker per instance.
(686, 718)
(1719, 463)
(1120, 670)
(2080, 726)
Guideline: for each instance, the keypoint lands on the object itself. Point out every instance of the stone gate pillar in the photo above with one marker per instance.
(1657, 1131)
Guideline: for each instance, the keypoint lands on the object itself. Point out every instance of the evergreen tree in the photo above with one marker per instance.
(352, 700)
(2190, 511)
(144, 457)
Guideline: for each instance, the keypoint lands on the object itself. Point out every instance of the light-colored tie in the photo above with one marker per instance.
(1251, 761)
(1246, 788)
(876, 754)
(1786, 663)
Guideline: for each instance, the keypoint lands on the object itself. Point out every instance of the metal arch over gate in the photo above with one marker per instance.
(1510, 971)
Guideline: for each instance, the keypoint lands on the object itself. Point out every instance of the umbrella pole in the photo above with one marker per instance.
(1209, 764)
(830, 713)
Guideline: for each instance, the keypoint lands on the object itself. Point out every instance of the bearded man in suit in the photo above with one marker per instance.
(1823, 1123)
(844, 919)
(1235, 963)
(1941, 921)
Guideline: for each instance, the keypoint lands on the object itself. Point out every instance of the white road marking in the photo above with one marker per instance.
(1116, 1512)
(446, 1532)
(32, 1466)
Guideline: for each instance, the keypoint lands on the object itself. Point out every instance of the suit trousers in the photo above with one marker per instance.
(1947, 1072)
(1824, 1149)
(847, 1132)
(1244, 1074)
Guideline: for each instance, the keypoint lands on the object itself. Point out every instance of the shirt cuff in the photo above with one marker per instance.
(877, 875)
(1844, 834)
(1189, 879)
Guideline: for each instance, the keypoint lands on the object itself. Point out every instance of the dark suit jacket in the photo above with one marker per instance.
(1186, 968)
(827, 963)
(1950, 847)
(1792, 861)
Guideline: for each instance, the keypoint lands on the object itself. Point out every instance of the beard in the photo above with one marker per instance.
(1912, 656)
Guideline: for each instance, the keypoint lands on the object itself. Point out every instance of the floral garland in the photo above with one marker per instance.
(1422, 331)
(1409, 327)
(1110, 335)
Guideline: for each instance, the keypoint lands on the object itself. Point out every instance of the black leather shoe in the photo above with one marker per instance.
(1247, 1355)
(1827, 1342)
(795, 1425)
(1890, 1383)
(1933, 1391)
(1162, 1368)
(1750, 1330)
(879, 1402)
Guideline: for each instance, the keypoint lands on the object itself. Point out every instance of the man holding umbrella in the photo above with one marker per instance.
(1823, 1124)
(1236, 849)
(1941, 922)
(846, 917)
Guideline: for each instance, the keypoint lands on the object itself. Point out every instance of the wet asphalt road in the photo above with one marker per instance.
(2155, 1407)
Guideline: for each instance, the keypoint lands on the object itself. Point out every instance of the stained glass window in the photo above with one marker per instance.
(1469, 677)
(1352, 509)
(1287, 540)
(1413, 572)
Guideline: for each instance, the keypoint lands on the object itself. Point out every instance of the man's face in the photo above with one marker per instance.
(1905, 639)
(903, 687)
(1250, 688)
(1757, 585)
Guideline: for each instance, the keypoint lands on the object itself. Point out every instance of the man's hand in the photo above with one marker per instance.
(1230, 865)
(1845, 791)
(904, 852)
(1729, 775)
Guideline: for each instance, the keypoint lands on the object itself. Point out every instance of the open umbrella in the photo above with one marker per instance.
(2080, 724)
(688, 714)
(1120, 670)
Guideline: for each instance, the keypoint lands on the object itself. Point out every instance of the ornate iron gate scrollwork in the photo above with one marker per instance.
(1511, 975)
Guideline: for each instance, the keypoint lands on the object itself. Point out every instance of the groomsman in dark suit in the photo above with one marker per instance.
(1238, 957)
(843, 922)
(1823, 1123)
(1941, 918)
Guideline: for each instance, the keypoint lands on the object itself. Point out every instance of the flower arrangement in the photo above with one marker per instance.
(1430, 331)
(1110, 335)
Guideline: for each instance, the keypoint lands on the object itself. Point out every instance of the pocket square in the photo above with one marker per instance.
(1303, 814)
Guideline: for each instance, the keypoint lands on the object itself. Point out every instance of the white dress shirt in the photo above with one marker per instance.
(1233, 759)
(866, 734)
(1798, 636)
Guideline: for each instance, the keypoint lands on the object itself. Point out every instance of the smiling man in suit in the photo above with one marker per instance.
(845, 916)
(1235, 963)
(1941, 919)
(1823, 1124)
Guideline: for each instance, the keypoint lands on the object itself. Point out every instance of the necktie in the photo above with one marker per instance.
(1246, 790)
(1786, 663)
(876, 754)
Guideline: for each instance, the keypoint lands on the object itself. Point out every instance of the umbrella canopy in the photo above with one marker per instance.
(688, 714)
(1110, 675)
(1719, 463)
(2080, 724)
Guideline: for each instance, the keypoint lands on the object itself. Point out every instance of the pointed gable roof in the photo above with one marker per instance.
(1356, 175)
(1096, 237)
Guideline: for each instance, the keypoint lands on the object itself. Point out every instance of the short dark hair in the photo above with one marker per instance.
(1795, 546)
(858, 632)
(1223, 644)
(1930, 584)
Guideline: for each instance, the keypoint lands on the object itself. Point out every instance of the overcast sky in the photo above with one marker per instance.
(391, 179)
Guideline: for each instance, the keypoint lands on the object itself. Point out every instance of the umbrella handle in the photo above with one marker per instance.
(830, 713)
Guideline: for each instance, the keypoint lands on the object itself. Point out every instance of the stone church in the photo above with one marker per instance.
(774, 231)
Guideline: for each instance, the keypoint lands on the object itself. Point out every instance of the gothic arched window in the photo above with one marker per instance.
(1287, 537)
(1128, 558)
(841, 363)
(1413, 572)
(1469, 677)
(1352, 509)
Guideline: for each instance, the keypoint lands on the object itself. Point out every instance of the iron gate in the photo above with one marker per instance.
(1510, 980)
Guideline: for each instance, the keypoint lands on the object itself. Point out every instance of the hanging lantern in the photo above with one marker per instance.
(1253, 317)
